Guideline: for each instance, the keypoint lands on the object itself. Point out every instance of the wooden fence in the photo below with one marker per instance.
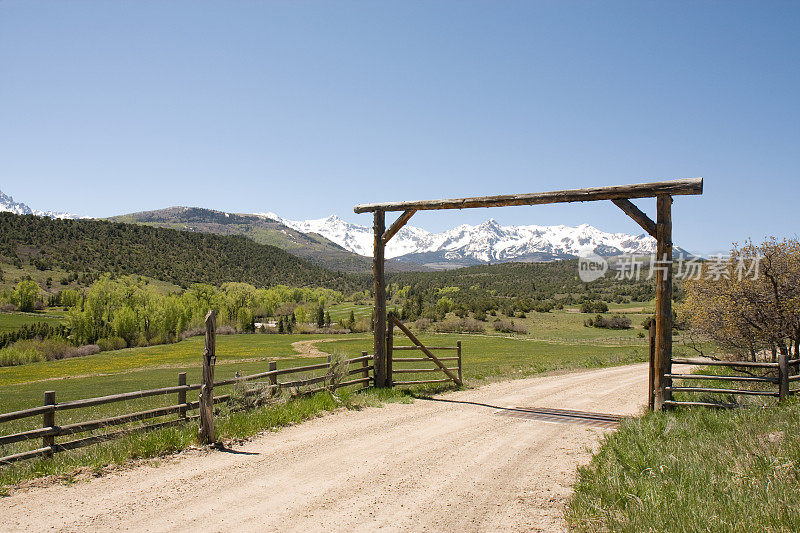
(778, 384)
(453, 374)
(50, 429)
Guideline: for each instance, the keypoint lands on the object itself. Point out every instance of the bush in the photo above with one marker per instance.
(508, 326)
(35, 350)
(468, 325)
(111, 343)
(614, 322)
(594, 307)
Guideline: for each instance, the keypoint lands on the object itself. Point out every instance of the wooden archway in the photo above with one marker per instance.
(620, 195)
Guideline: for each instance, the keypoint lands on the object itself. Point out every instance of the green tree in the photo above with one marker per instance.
(126, 325)
(26, 295)
(320, 317)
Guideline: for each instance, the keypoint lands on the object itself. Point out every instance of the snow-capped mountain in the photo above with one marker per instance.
(7, 203)
(485, 243)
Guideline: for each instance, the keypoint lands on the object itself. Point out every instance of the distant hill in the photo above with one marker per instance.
(180, 257)
(310, 246)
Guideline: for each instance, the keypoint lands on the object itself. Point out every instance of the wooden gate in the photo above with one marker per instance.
(453, 373)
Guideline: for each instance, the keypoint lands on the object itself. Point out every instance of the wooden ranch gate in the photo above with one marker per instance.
(621, 196)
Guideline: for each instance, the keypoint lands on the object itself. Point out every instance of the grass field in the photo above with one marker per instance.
(556, 341)
(694, 470)
(12, 321)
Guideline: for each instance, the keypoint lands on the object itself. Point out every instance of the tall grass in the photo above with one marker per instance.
(695, 470)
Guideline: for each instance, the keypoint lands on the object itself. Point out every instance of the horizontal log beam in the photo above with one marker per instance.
(712, 362)
(723, 391)
(637, 215)
(638, 190)
(398, 224)
(419, 381)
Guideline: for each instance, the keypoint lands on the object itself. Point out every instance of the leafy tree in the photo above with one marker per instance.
(754, 312)
(26, 295)
(320, 317)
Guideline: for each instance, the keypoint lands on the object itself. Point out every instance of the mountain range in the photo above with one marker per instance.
(489, 242)
(340, 245)
(7, 203)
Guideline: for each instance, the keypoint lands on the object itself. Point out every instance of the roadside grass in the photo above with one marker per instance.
(694, 469)
(229, 425)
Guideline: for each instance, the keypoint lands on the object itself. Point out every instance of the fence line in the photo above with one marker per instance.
(50, 430)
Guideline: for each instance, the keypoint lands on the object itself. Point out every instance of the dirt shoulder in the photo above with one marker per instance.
(451, 463)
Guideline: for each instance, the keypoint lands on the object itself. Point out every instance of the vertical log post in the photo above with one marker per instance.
(273, 379)
(783, 376)
(379, 309)
(206, 433)
(182, 395)
(49, 421)
(458, 353)
(663, 265)
(389, 352)
(364, 370)
(652, 374)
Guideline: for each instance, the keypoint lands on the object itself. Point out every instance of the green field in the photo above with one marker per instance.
(12, 321)
(555, 341)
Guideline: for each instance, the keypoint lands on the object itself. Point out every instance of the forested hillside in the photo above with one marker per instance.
(175, 256)
(555, 280)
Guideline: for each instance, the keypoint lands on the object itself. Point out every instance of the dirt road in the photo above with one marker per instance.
(464, 464)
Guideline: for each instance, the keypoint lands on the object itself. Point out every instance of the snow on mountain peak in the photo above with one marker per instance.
(7, 203)
(486, 242)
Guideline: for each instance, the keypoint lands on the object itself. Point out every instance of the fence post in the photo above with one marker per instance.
(206, 432)
(651, 380)
(48, 421)
(364, 370)
(273, 379)
(389, 348)
(783, 376)
(182, 395)
(458, 352)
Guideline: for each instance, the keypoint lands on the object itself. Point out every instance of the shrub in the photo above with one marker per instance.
(614, 322)
(508, 326)
(594, 307)
(111, 343)
(14, 355)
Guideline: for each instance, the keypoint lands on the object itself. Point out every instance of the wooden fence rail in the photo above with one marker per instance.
(50, 429)
(785, 368)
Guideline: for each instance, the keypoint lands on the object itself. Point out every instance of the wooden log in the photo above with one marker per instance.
(134, 395)
(273, 378)
(428, 347)
(638, 190)
(359, 370)
(301, 382)
(359, 359)
(365, 369)
(418, 359)
(397, 225)
(673, 403)
(26, 413)
(425, 350)
(389, 347)
(713, 377)
(663, 265)
(379, 308)
(8, 459)
(637, 215)
(723, 391)
(182, 394)
(732, 364)
(651, 398)
(43, 432)
(421, 370)
(206, 431)
(364, 381)
(418, 381)
(458, 346)
(783, 376)
(49, 420)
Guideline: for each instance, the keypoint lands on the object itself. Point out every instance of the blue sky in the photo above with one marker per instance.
(308, 108)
